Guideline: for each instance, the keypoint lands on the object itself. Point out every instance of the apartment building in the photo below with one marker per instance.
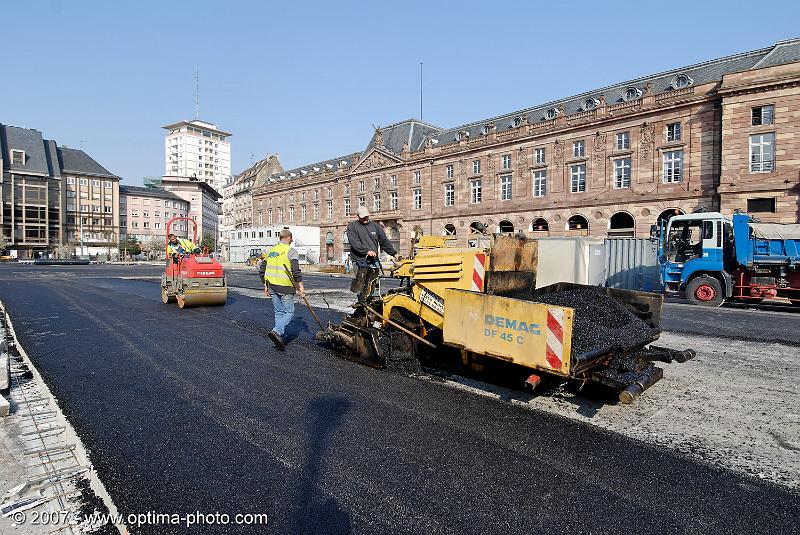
(145, 211)
(92, 203)
(54, 195)
(203, 203)
(718, 135)
(200, 150)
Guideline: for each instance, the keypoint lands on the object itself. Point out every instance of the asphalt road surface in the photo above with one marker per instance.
(192, 410)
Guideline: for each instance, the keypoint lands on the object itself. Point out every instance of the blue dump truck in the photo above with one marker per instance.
(710, 258)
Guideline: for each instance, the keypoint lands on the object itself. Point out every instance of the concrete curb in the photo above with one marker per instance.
(5, 370)
(34, 401)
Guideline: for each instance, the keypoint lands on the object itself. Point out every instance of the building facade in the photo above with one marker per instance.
(199, 150)
(237, 198)
(717, 135)
(53, 196)
(203, 204)
(144, 213)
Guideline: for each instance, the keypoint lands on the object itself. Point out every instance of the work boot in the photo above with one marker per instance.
(277, 339)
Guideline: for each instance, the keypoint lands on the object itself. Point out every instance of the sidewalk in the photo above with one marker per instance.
(47, 483)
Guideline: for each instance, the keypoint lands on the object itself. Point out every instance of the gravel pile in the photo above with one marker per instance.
(600, 322)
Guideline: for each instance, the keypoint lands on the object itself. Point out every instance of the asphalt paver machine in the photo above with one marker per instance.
(479, 308)
(192, 279)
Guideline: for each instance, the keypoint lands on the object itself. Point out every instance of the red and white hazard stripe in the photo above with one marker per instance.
(555, 337)
(478, 272)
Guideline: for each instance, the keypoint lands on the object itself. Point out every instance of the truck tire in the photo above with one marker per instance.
(705, 291)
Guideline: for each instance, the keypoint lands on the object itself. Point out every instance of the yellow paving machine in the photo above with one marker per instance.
(478, 310)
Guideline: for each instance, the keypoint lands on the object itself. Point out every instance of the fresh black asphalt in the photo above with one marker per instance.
(192, 410)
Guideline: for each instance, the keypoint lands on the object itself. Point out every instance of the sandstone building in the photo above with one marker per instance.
(719, 135)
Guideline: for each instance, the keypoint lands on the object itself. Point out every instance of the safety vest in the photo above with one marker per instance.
(277, 264)
(173, 248)
(187, 245)
(184, 246)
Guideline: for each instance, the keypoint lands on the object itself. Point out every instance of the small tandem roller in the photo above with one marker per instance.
(479, 310)
(194, 279)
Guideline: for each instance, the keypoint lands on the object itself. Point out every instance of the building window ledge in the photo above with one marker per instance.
(620, 154)
(672, 146)
(538, 166)
(574, 161)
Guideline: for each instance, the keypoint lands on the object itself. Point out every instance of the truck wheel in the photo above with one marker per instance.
(705, 291)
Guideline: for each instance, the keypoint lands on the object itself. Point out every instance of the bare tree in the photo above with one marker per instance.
(64, 250)
(156, 245)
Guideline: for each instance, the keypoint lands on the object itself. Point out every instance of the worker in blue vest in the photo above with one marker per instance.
(282, 280)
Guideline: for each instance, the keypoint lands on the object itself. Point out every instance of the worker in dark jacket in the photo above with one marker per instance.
(281, 275)
(366, 239)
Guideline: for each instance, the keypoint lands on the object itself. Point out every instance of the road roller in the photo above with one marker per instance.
(194, 278)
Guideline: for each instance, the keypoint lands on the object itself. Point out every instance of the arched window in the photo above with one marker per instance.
(667, 214)
(505, 227)
(577, 223)
(631, 93)
(540, 225)
(449, 230)
(681, 81)
(622, 225)
(476, 227)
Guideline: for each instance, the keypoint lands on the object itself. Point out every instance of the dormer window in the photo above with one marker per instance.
(486, 129)
(590, 104)
(551, 114)
(681, 81)
(17, 157)
(631, 93)
(517, 121)
(462, 135)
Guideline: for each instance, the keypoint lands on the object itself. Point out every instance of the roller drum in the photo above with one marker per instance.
(196, 299)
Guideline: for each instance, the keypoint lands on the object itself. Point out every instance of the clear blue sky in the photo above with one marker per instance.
(308, 79)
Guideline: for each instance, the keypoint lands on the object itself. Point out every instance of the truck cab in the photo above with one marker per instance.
(694, 254)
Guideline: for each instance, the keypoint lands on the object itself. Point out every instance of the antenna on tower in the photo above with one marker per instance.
(196, 93)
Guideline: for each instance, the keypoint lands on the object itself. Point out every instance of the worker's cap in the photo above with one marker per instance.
(285, 233)
(363, 212)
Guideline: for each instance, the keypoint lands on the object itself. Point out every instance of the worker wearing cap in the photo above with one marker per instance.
(281, 274)
(365, 238)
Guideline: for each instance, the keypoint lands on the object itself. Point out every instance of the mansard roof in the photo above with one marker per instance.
(314, 168)
(410, 133)
(415, 134)
(78, 162)
(701, 73)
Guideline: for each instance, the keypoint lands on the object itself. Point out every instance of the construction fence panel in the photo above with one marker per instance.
(632, 263)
